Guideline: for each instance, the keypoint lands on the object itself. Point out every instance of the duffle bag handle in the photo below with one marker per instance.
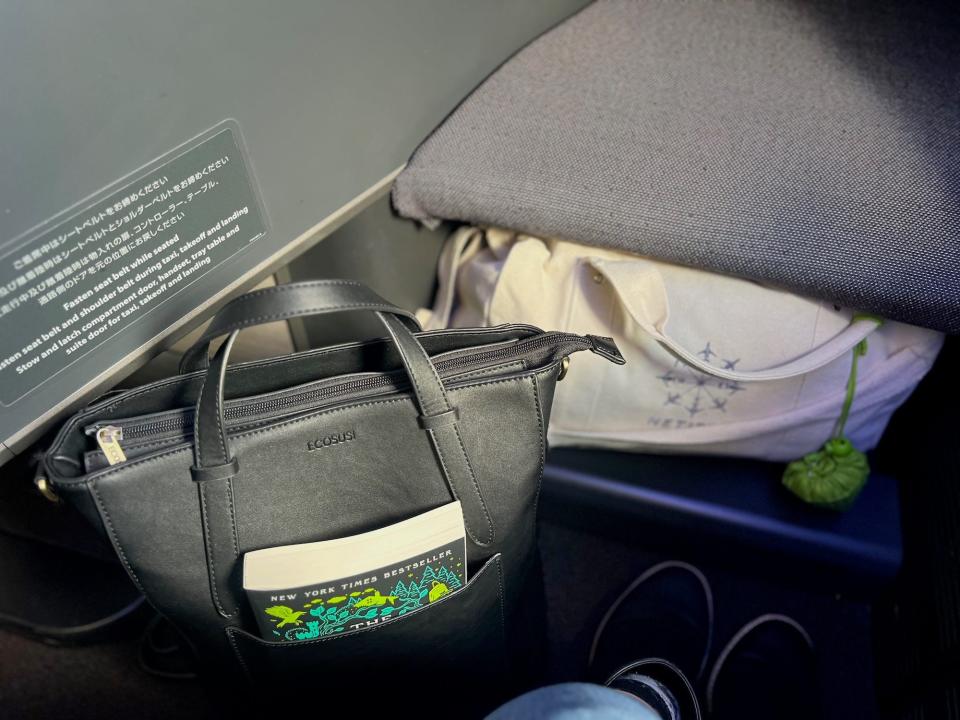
(215, 466)
(642, 293)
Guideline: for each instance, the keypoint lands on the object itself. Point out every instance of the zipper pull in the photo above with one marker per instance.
(108, 438)
(607, 348)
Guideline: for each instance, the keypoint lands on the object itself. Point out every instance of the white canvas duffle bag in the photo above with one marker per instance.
(715, 364)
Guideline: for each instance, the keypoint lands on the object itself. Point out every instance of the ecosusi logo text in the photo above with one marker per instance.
(331, 440)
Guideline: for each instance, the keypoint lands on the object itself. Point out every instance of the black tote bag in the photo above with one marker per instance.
(219, 461)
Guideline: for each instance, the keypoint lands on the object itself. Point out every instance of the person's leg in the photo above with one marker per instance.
(652, 640)
(652, 645)
(656, 636)
(660, 684)
(576, 701)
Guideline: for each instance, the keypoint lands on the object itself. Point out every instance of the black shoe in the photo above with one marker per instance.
(661, 627)
(767, 670)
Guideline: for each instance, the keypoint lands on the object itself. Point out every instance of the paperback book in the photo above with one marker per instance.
(311, 590)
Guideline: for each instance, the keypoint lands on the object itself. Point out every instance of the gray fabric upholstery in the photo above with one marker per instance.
(814, 146)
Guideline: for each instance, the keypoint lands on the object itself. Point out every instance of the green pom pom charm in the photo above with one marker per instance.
(833, 476)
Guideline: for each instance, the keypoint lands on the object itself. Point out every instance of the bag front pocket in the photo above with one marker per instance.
(450, 649)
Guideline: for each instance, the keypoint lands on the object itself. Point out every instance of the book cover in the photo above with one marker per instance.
(302, 592)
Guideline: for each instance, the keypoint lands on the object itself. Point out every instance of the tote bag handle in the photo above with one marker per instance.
(215, 466)
(457, 251)
(640, 288)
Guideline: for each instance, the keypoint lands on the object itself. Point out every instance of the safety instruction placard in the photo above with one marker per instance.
(79, 283)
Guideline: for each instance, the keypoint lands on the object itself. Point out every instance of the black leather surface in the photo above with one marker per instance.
(215, 466)
(441, 635)
(284, 494)
(181, 539)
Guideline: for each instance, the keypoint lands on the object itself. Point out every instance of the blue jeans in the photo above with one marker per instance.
(574, 701)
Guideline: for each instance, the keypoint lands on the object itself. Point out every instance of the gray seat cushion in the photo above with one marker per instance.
(814, 146)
